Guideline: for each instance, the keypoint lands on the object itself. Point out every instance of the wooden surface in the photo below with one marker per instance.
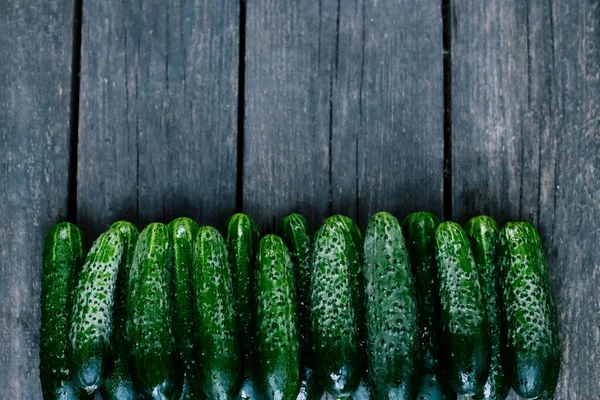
(319, 107)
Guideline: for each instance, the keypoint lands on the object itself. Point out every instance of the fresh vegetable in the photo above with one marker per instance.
(533, 344)
(154, 361)
(62, 260)
(464, 322)
(214, 312)
(391, 312)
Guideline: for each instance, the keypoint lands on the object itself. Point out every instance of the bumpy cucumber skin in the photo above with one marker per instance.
(62, 261)
(334, 315)
(391, 317)
(242, 243)
(482, 232)
(533, 355)
(182, 232)
(353, 230)
(118, 384)
(154, 361)
(214, 312)
(92, 315)
(464, 322)
(278, 340)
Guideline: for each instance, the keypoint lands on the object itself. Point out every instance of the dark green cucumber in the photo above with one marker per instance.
(482, 232)
(92, 317)
(242, 242)
(391, 314)
(464, 322)
(334, 314)
(214, 312)
(154, 361)
(353, 230)
(182, 232)
(62, 260)
(278, 340)
(118, 384)
(533, 355)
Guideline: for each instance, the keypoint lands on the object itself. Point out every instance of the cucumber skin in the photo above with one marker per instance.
(334, 317)
(214, 312)
(533, 355)
(278, 340)
(182, 232)
(92, 316)
(154, 360)
(242, 243)
(62, 259)
(482, 232)
(391, 318)
(464, 322)
(118, 384)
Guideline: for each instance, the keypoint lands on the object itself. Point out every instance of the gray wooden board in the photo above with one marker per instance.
(158, 112)
(343, 109)
(35, 95)
(526, 145)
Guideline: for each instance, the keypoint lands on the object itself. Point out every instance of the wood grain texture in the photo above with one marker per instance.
(158, 112)
(35, 96)
(526, 145)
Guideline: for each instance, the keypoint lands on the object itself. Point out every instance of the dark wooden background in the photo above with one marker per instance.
(147, 110)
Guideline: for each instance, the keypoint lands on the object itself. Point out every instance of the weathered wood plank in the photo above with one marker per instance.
(525, 145)
(158, 111)
(35, 95)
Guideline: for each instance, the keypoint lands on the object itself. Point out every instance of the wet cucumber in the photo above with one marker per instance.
(92, 316)
(464, 322)
(182, 232)
(334, 314)
(419, 231)
(118, 384)
(533, 355)
(62, 260)
(278, 372)
(214, 312)
(353, 230)
(391, 312)
(154, 361)
(242, 242)
(482, 232)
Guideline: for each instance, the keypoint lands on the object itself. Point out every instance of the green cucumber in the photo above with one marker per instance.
(391, 313)
(533, 355)
(154, 361)
(482, 232)
(334, 313)
(419, 231)
(118, 384)
(214, 312)
(242, 242)
(182, 232)
(62, 260)
(278, 341)
(92, 316)
(353, 230)
(464, 322)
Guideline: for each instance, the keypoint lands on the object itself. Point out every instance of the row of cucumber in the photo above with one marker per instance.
(419, 310)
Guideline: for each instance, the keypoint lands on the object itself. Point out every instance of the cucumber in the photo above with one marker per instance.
(242, 242)
(154, 361)
(533, 355)
(62, 260)
(92, 316)
(334, 314)
(464, 322)
(391, 312)
(182, 232)
(214, 312)
(118, 384)
(482, 232)
(419, 231)
(278, 341)
(353, 230)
